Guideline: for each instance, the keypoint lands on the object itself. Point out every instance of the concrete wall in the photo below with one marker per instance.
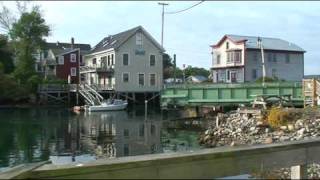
(292, 71)
(207, 163)
(138, 64)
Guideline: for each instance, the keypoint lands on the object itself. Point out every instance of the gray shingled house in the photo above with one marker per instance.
(237, 58)
(127, 62)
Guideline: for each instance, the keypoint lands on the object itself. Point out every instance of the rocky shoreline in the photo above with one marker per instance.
(249, 126)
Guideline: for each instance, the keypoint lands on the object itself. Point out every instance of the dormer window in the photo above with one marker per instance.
(139, 38)
(227, 45)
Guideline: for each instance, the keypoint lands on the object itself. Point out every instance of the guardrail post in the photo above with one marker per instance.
(299, 172)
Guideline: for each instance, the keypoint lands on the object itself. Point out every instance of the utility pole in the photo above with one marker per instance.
(262, 59)
(174, 68)
(162, 4)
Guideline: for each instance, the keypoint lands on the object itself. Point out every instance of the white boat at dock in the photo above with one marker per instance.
(109, 105)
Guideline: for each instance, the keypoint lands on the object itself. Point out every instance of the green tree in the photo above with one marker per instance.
(6, 60)
(193, 71)
(27, 35)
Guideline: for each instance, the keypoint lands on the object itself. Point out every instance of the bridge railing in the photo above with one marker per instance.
(233, 85)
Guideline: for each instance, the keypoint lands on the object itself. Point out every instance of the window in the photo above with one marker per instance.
(73, 71)
(61, 60)
(125, 59)
(112, 59)
(141, 79)
(152, 79)
(153, 130)
(152, 60)
(237, 56)
(139, 38)
(141, 130)
(126, 132)
(274, 73)
(274, 57)
(255, 56)
(94, 61)
(109, 60)
(45, 54)
(254, 74)
(153, 148)
(103, 61)
(287, 58)
(228, 75)
(234, 57)
(218, 58)
(73, 57)
(227, 45)
(125, 77)
(126, 150)
(269, 57)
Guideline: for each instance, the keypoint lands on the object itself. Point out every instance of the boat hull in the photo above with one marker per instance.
(108, 107)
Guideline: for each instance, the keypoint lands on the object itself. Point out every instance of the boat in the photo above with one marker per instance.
(109, 105)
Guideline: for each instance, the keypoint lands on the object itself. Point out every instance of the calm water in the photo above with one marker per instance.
(37, 134)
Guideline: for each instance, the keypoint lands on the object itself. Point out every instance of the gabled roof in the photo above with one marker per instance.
(58, 47)
(116, 40)
(268, 43)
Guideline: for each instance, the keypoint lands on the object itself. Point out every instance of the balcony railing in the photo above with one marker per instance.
(84, 69)
(102, 87)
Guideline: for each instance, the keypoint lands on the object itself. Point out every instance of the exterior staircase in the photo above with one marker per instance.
(311, 92)
(91, 96)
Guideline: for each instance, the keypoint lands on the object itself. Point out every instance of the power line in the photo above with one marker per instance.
(185, 9)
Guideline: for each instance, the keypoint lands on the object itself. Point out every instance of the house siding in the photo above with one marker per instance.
(138, 64)
(221, 69)
(63, 71)
(292, 71)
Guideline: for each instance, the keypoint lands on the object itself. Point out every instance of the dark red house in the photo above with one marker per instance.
(62, 60)
(68, 64)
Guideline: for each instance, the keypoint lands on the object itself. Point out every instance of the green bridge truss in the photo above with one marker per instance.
(227, 94)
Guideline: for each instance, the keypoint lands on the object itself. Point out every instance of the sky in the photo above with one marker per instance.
(188, 34)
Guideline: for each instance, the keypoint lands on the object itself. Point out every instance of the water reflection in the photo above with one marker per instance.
(31, 135)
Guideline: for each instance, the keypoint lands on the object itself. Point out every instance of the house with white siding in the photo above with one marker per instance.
(237, 59)
(126, 62)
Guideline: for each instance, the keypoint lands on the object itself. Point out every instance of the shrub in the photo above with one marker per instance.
(278, 117)
(269, 79)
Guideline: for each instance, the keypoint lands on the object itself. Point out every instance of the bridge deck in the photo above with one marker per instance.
(227, 94)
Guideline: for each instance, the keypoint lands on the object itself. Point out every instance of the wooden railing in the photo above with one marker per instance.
(71, 87)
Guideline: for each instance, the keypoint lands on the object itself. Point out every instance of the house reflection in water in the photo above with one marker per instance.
(117, 134)
(114, 134)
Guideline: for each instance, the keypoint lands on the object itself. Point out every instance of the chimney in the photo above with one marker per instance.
(72, 43)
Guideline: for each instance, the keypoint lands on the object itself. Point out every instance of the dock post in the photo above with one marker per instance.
(299, 172)
(77, 95)
(134, 97)
(145, 108)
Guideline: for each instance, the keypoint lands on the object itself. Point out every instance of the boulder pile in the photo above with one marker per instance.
(236, 128)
